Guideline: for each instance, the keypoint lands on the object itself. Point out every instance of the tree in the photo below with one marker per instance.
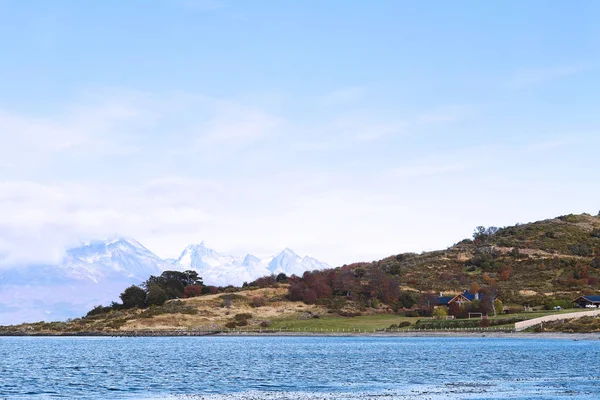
(428, 302)
(191, 278)
(309, 296)
(359, 272)
(504, 273)
(440, 312)
(481, 233)
(474, 288)
(488, 303)
(282, 278)
(156, 296)
(296, 290)
(407, 300)
(455, 309)
(133, 296)
(498, 306)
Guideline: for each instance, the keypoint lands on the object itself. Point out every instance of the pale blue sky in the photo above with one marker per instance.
(345, 130)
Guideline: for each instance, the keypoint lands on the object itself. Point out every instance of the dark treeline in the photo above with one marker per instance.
(156, 290)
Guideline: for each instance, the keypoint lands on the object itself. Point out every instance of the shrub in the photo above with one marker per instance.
(265, 324)
(258, 301)
(349, 314)
(116, 323)
(558, 303)
(98, 310)
(230, 325)
(582, 250)
(411, 313)
(192, 291)
(485, 323)
(404, 324)
(440, 312)
(242, 316)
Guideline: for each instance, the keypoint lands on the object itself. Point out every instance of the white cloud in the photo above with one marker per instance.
(331, 205)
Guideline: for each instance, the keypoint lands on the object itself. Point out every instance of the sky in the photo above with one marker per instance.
(345, 130)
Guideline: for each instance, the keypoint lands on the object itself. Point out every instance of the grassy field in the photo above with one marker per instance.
(375, 322)
(368, 322)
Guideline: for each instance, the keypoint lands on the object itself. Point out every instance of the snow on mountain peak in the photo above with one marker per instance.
(97, 271)
(222, 270)
(124, 257)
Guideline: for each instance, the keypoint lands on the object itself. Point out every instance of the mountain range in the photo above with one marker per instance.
(97, 272)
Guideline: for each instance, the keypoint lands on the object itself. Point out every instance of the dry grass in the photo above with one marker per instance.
(213, 312)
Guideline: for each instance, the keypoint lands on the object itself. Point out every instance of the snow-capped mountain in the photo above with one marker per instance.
(97, 272)
(124, 258)
(94, 273)
(222, 270)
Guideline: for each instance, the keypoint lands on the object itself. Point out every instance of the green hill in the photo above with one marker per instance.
(528, 263)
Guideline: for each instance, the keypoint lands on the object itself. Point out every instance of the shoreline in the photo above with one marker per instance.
(424, 334)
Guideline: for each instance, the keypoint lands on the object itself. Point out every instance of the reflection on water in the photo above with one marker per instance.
(311, 368)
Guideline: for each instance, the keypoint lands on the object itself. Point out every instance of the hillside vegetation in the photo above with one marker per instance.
(537, 265)
(528, 263)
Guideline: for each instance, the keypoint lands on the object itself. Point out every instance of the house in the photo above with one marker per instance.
(588, 302)
(462, 298)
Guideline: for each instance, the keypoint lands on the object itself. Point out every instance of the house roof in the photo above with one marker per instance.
(468, 295)
(593, 299)
(445, 299)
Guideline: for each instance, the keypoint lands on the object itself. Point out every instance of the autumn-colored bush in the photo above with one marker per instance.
(192, 291)
(258, 301)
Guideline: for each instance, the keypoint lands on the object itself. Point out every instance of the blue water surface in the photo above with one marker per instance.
(298, 368)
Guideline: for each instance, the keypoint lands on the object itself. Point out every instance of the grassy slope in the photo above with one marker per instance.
(549, 252)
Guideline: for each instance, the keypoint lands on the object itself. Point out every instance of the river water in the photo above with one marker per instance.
(215, 368)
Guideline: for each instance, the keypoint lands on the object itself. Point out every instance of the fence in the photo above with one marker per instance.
(261, 331)
(519, 326)
(305, 331)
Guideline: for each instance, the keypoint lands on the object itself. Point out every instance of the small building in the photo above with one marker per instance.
(588, 302)
(461, 298)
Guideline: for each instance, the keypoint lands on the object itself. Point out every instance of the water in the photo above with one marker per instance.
(298, 368)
